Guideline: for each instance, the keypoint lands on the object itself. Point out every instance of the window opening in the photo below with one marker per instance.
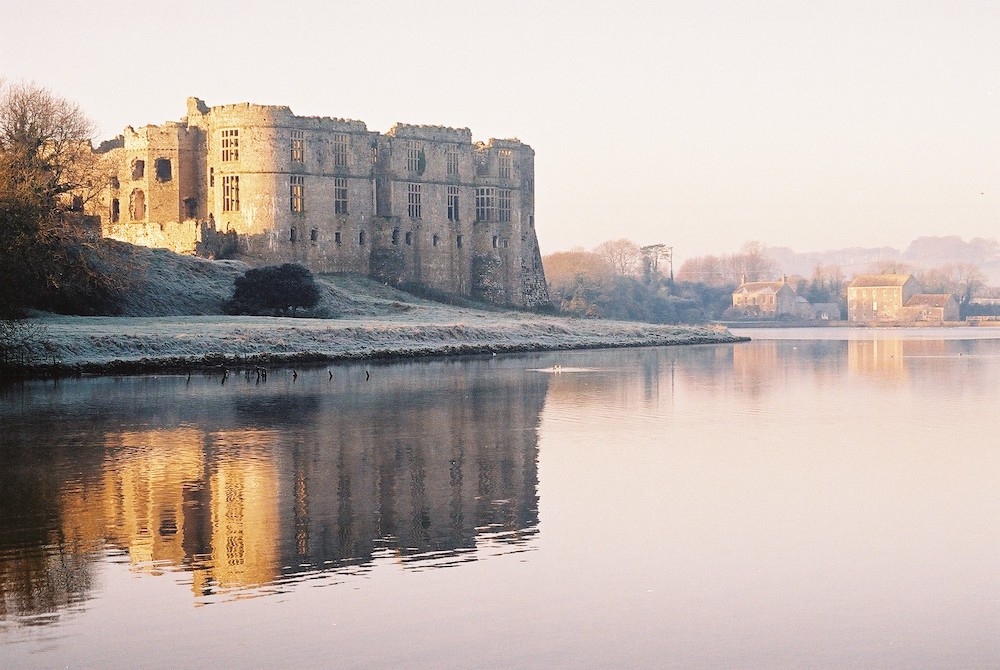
(230, 145)
(296, 193)
(231, 193)
(453, 203)
(163, 171)
(340, 195)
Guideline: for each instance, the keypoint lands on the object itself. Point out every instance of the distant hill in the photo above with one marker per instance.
(923, 253)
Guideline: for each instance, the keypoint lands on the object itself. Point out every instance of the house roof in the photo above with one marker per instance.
(869, 281)
(761, 287)
(929, 300)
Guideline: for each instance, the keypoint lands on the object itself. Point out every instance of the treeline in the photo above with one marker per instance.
(621, 280)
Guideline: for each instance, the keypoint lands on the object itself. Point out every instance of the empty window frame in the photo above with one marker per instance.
(413, 201)
(116, 210)
(340, 149)
(298, 153)
(453, 203)
(313, 235)
(231, 193)
(506, 163)
(336, 238)
(230, 145)
(503, 205)
(137, 205)
(451, 160)
(361, 238)
(340, 195)
(211, 177)
(435, 240)
(296, 193)
(163, 171)
(485, 203)
(138, 169)
(292, 235)
(458, 241)
(413, 157)
(409, 238)
(395, 236)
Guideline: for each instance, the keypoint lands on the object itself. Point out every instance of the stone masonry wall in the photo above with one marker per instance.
(417, 204)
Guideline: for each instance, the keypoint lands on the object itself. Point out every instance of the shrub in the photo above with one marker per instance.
(273, 290)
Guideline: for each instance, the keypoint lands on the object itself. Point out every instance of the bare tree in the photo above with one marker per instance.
(44, 145)
(623, 255)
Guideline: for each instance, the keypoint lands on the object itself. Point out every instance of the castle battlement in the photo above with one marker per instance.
(273, 187)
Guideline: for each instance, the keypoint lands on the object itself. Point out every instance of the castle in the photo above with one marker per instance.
(416, 205)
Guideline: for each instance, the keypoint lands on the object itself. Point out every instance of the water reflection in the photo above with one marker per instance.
(254, 485)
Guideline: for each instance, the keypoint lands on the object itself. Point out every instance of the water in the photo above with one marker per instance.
(815, 498)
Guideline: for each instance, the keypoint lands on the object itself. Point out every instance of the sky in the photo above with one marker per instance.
(700, 125)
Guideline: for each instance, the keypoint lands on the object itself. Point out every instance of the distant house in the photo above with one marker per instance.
(879, 298)
(826, 311)
(765, 299)
(932, 307)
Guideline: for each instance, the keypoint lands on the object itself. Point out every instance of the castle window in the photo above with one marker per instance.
(114, 182)
(340, 149)
(435, 239)
(413, 204)
(298, 147)
(231, 193)
(230, 145)
(451, 159)
(340, 195)
(296, 194)
(503, 205)
(496, 241)
(361, 238)
(409, 238)
(313, 235)
(116, 210)
(506, 167)
(190, 207)
(292, 235)
(453, 203)
(485, 203)
(414, 158)
(137, 205)
(531, 220)
(395, 236)
(163, 171)
(336, 238)
(211, 177)
(458, 241)
(138, 169)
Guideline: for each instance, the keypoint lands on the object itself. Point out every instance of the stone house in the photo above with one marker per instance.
(417, 204)
(765, 299)
(931, 307)
(873, 298)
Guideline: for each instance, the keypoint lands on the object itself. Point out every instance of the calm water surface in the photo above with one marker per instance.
(815, 498)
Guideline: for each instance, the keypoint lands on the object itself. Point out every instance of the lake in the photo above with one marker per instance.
(814, 498)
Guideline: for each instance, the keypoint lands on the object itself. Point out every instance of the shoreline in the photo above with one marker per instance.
(111, 346)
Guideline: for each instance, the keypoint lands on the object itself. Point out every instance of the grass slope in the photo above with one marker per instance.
(173, 320)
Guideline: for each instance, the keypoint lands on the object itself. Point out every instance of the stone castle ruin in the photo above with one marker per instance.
(419, 204)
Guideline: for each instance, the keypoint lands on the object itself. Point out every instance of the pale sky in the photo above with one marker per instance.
(700, 125)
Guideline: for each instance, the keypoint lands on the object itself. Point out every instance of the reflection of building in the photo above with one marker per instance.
(424, 468)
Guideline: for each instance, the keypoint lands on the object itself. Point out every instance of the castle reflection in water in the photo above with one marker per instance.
(245, 487)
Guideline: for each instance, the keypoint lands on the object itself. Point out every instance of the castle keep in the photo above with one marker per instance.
(418, 204)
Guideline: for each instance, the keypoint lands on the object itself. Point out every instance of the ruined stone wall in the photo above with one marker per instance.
(418, 204)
